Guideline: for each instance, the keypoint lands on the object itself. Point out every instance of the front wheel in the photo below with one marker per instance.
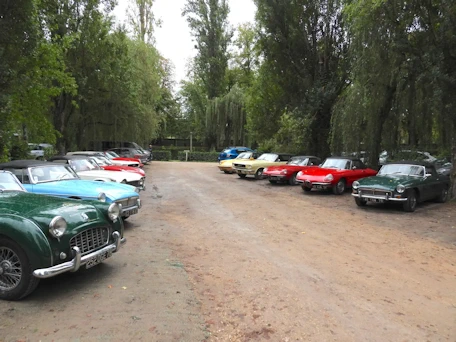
(339, 188)
(16, 278)
(360, 202)
(410, 204)
(306, 188)
(241, 175)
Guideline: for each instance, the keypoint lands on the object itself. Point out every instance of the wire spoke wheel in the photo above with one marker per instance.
(10, 269)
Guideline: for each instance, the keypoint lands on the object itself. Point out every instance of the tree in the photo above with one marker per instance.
(208, 21)
(142, 20)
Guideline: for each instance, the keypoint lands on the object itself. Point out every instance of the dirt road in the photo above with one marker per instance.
(214, 257)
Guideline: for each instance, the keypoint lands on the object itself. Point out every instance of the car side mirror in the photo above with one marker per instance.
(354, 168)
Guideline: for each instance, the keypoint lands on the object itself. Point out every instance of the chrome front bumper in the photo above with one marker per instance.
(78, 260)
(245, 171)
(377, 197)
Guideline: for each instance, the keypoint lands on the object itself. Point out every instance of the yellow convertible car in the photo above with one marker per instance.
(227, 164)
(256, 167)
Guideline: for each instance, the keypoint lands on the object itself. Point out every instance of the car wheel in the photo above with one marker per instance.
(241, 175)
(306, 188)
(443, 197)
(339, 188)
(360, 202)
(16, 278)
(259, 174)
(225, 172)
(410, 204)
(292, 180)
(272, 181)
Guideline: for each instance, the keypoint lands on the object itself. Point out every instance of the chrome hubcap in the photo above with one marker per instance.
(10, 269)
(340, 187)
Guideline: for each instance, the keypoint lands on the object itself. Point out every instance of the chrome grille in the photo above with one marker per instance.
(90, 239)
(239, 166)
(374, 192)
(128, 202)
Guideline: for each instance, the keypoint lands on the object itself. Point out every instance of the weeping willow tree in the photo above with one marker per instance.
(394, 96)
(226, 119)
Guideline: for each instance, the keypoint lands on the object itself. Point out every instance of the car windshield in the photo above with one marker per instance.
(244, 155)
(336, 163)
(84, 165)
(227, 150)
(111, 154)
(102, 160)
(41, 174)
(298, 161)
(402, 170)
(8, 182)
(271, 157)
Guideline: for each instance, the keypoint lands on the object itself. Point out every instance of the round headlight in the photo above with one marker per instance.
(57, 226)
(102, 197)
(284, 172)
(355, 185)
(113, 211)
(329, 178)
(299, 174)
(400, 188)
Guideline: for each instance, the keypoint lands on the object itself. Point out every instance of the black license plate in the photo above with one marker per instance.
(98, 259)
(376, 200)
(318, 186)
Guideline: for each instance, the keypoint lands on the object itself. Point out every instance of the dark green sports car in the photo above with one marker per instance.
(405, 182)
(43, 236)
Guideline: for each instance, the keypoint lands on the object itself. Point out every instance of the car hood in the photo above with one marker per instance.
(125, 168)
(288, 167)
(42, 209)
(318, 171)
(387, 182)
(117, 176)
(83, 189)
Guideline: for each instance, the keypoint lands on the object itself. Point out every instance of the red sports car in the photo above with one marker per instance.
(114, 157)
(287, 173)
(336, 173)
(106, 164)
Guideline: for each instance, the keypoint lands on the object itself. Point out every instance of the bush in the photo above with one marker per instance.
(161, 155)
(199, 156)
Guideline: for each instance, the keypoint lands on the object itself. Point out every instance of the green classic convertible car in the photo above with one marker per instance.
(43, 236)
(404, 182)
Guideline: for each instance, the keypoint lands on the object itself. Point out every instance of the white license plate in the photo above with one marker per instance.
(376, 200)
(98, 259)
(130, 212)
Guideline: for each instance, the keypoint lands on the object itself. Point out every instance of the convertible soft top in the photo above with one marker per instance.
(23, 164)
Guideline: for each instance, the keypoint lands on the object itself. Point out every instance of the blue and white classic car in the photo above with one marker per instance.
(60, 180)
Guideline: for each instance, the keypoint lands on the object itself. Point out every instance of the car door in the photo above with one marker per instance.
(433, 185)
(358, 170)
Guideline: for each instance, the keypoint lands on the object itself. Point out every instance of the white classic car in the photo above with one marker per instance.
(88, 169)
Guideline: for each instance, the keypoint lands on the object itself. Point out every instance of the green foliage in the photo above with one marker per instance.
(199, 156)
(161, 155)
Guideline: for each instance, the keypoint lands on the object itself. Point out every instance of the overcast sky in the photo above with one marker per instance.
(173, 38)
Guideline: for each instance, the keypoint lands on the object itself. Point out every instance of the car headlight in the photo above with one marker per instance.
(329, 178)
(355, 185)
(113, 211)
(284, 172)
(139, 203)
(249, 166)
(400, 188)
(137, 190)
(102, 197)
(299, 174)
(57, 226)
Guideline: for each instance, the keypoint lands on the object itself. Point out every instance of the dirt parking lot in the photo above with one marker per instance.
(214, 257)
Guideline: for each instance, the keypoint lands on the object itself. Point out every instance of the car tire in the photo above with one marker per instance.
(339, 188)
(292, 180)
(242, 175)
(259, 174)
(306, 188)
(412, 200)
(360, 202)
(443, 197)
(225, 172)
(272, 181)
(11, 254)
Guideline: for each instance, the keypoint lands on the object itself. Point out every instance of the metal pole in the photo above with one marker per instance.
(191, 141)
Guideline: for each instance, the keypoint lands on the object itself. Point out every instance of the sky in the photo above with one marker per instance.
(173, 38)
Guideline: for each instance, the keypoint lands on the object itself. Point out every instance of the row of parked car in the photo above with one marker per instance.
(405, 182)
(63, 214)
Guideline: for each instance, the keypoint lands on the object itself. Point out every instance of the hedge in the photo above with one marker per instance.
(161, 155)
(199, 156)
